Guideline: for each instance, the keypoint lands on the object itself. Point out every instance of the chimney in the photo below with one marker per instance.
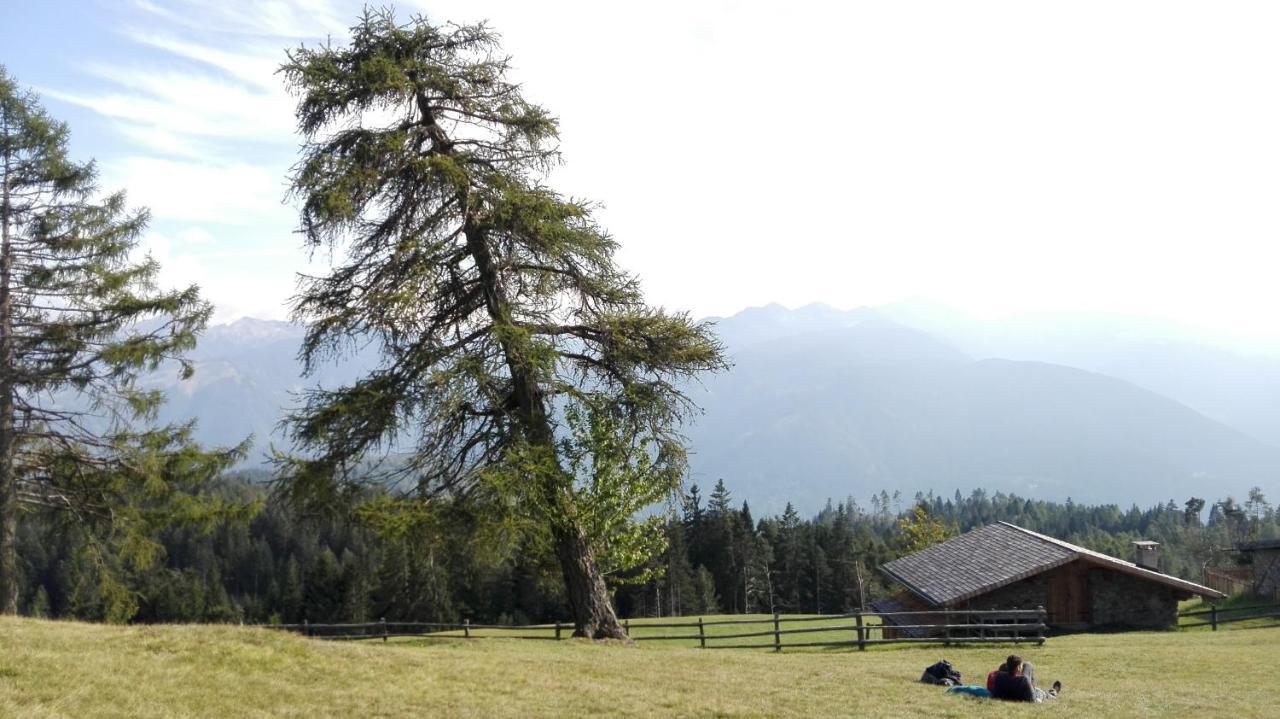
(1147, 555)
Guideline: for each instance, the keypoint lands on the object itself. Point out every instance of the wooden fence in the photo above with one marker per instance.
(863, 629)
(1213, 616)
(1229, 581)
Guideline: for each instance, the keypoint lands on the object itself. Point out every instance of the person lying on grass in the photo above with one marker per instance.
(1015, 681)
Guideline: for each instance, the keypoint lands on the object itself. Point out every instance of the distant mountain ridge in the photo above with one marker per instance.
(827, 403)
(868, 403)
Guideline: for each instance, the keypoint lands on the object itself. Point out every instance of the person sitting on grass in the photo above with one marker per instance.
(991, 677)
(1015, 681)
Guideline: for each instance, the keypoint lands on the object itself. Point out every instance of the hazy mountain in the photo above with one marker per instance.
(1214, 376)
(1222, 378)
(871, 404)
(247, 372)
(826, 403)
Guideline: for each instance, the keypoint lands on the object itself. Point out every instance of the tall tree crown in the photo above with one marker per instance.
(80, 319)
(495, 300)
(75, 294)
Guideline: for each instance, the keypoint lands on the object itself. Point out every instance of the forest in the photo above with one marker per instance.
(278, 564)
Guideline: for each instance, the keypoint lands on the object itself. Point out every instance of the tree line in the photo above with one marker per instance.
(280, 565)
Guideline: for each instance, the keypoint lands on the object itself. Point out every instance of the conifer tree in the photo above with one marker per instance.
(495, 300)
(72, 300)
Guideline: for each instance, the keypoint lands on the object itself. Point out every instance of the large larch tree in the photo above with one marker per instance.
(495, 302)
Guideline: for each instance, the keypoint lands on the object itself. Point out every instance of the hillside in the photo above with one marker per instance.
(247, 372)
(823, 403)
(69, 669)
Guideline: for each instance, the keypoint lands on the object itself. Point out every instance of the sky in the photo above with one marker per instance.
(999, 157)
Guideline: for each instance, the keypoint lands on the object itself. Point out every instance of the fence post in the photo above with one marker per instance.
(947, 632)
(1043, 616)
(557, 630)
(1213, 617)
(626, 626)
(384, 630)
(306, 627)
(862, 642)
(702, 636)
(777, 636)
(466, 628)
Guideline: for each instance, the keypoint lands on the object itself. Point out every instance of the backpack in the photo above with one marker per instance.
(941, 673)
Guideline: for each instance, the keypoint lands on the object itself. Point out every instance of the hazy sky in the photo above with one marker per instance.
(1001, 157)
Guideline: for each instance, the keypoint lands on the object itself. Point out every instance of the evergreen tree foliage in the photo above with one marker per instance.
(446, 564)
(496, 301)
(79, 320)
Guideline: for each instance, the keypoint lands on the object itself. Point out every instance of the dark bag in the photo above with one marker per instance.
(941, 673)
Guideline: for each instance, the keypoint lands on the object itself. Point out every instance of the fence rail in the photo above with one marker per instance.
(1229, 581)
(863, 629)
(1213, 616)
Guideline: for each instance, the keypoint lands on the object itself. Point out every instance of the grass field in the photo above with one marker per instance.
(66, 669)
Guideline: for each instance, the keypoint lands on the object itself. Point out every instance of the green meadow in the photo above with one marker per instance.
(70, 669)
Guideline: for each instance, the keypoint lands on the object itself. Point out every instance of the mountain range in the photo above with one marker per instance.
(826, 403)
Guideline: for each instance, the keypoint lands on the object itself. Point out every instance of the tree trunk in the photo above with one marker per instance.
(8, 517)
(593, 615)
(8, 479)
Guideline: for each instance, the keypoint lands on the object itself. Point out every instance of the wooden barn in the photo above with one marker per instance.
(1264, 559)
(1003, 566)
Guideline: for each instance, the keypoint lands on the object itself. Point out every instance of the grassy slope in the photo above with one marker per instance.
(50, 669)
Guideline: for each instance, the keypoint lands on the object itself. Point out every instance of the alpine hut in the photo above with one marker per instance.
(1003, 566)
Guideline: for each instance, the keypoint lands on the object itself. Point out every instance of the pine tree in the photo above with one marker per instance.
(757, 582)
(723, 547)
(495, 301)
(719, 504)
(789, 574)
(705, 592)
(677, 580)
(71, 345)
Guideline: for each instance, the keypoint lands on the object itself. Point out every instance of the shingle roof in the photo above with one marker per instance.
(1000, 554)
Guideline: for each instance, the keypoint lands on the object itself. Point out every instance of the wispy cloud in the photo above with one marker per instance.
(253, 65)
(268, 19)
(205, 134)
(193, 106)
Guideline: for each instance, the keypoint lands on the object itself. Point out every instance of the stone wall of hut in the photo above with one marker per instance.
(1122, 600)
(1030, 593)
(1115, 599)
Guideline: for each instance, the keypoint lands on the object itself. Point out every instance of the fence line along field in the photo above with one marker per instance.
(742, 631)
(70, 669)
(1240, 612)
